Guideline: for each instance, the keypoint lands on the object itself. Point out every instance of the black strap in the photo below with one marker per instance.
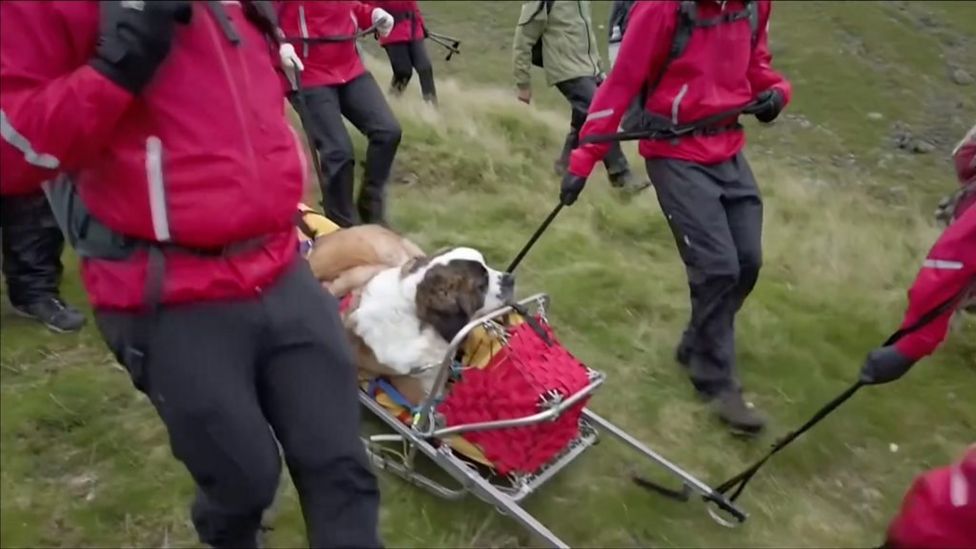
(217, 9)
(708, 125)
(740, 480)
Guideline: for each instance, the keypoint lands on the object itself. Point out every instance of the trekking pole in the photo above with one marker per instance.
(535, 236)
(451, 44)
(738, 483)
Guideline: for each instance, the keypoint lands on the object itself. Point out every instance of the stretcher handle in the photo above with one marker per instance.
(535, 237)
(330, 39)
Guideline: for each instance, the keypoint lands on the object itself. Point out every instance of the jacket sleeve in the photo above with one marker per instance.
(949, 270)
(56, 112)
(363, 12)
(761, 74)
(964, 157)
(643, 52)
(531, 25)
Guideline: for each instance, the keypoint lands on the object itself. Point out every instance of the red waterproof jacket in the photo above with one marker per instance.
(939, 510)
(949, 269)
(964, 157)
(326, 63)
(719, 70)
(204, 156)
(409, 21)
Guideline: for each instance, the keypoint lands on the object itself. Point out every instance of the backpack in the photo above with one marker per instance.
(537, 47)
(688, 21)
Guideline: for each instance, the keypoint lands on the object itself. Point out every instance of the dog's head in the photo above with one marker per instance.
(455, 286)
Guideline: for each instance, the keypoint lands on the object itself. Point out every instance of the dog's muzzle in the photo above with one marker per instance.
(507, 284)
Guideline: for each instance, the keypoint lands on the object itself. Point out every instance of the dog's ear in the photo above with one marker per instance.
(469, 303)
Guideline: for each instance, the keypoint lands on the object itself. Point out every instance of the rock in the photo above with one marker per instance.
(963, 78)
(921, 146)
(875, 116)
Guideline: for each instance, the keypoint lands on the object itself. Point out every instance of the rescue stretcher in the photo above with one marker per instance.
(506, 414)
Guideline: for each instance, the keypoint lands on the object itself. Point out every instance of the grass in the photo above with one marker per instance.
(85, 461)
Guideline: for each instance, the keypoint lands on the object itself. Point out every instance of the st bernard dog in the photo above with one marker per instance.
(404, 319)
(404, 306)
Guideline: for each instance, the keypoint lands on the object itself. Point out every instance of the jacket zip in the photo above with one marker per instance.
(156, 189)
(589, 43)
(235, 97)
(303, 27)
(676, 104)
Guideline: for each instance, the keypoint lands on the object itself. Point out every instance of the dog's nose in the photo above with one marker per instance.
(508, 281)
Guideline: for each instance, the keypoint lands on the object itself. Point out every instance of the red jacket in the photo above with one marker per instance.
(326, 63)
(719, 70)
(409, 21)
(949, 268)
(939, 510)
(964, 157)
(204, 154)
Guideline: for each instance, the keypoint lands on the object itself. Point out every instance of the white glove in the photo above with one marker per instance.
(612, 49)
(289, 57)
(383, 21)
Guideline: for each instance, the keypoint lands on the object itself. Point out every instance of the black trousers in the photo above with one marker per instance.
(404, 58)
(579, 92)
(32, 246)
(361, 102)
(715, 213)
(231, 380)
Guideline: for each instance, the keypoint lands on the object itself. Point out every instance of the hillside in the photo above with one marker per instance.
(85, 461)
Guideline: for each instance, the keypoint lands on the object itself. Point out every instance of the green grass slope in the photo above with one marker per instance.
(85, 461)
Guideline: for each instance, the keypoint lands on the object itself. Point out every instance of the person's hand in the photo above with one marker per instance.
(571, 188)
(524, 95)
(134, 38)
(767, 107)
(383, 22)
(885, 364)
(289, 58)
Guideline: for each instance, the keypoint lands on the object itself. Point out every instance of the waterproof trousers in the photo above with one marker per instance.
(715, 213)
(362, 103)
(32, 246)
(233, 380)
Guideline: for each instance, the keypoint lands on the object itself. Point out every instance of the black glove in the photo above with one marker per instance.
(885, 364)
(767, 107)
(135, 37)
(571, 188)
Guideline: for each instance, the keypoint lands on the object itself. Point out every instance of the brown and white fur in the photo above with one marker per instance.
(347, 259)
(405, 318)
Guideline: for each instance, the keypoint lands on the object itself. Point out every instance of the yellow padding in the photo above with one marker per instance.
(318, 223)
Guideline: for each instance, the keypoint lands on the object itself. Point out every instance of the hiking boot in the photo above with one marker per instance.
(736, 413)
(372, 209)
(54, 313)
(626, 181)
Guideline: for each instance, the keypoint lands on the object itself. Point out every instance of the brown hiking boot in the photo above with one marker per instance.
(736, 413)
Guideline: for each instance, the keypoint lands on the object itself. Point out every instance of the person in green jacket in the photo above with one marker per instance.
(558, 36)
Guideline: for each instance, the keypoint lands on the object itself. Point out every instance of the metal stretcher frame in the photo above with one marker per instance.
(425, 435)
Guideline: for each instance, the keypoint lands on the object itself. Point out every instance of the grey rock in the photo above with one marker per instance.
(875, 116)
(962, 77)
(921, 146)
